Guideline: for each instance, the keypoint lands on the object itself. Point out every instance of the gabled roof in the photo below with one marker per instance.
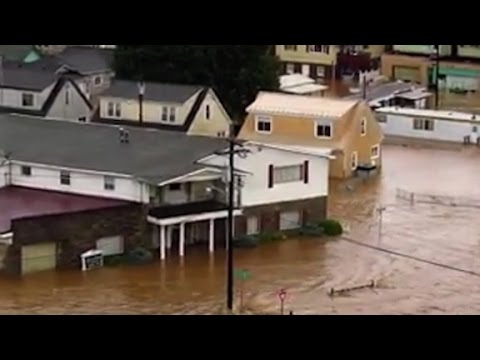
(152, 155)
(16, 76)
(303, 106)
(160, 92)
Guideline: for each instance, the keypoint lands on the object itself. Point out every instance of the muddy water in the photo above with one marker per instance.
(307, 268)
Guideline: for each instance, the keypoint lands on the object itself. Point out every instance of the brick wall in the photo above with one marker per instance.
(76, 233)
(269, 215)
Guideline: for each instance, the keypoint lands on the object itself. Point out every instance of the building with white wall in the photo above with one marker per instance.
(173, 176)
(429, 124)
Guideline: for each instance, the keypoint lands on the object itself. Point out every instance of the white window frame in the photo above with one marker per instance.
(98, 80)
(354, 164)
(377, 147)
(324, 124)
(172, 116)
(363, 126)
(25, 172)
(278, 171)
(24, 94)
(423, 124)
(290, 226)
(116, 108)
(263, 119)
(109, 183)
(253, 225)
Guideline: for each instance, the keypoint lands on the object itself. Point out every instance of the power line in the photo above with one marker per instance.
(411, 257)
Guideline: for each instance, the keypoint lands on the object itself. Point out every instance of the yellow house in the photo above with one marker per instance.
(195, 110)
(346, 129)
(315, 61)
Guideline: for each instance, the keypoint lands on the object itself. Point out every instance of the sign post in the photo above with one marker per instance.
(243, 276)
(282, 296)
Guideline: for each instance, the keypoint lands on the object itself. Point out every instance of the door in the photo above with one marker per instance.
(39, 257)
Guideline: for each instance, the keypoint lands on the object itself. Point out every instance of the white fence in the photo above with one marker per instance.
(443, 200)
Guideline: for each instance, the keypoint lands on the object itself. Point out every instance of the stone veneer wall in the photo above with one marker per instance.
(76, 233)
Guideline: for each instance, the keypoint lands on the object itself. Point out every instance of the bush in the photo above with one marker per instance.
(331, 227)
(139, 256)
(271, 237)
(311, 230)
(246, 242)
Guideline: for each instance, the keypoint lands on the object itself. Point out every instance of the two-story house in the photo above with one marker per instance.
(345, 129)
(195, 110)
(132, 186)
(42, 93)
(315, 61)
(353, 59)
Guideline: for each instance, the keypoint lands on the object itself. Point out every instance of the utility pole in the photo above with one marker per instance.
(141, 93)
(1, 80)
(437, 76)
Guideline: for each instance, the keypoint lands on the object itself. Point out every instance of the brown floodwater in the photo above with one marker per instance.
(307, 268)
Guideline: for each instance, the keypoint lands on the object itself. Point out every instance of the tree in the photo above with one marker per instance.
(235, 72)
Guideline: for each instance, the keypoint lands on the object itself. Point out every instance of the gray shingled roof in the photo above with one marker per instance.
(169, 93)
(382, 91)
(17, 76)
(15, 52)
(87, 60)
(153, 155)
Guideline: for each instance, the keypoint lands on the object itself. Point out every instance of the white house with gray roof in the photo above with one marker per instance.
(419, 124)
(195, 110)
(179, 178)
(42, 93)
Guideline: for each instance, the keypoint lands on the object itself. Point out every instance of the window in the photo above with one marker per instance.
(65, 177)
(354, 160)
(207, 112)
(287, 174)
(109, 183)
(290, 220)
(290, 68)
(221, 134)
(169, 114)
(114, 110)
(175, 187)
(27, 99)
(423, 124)
(290, 47)
(319, 48)
(264, 124)
(381, 118)
(82, 119)
(26, 171)
(67, 96)
(320, 71)
(375, 152)
(252, 225)
(323, 130)
(475, 129)
(363, 130)
(97, 80)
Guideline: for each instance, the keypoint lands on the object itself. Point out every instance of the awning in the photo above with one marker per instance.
(305, 89)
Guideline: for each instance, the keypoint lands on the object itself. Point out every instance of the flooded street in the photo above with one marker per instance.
(308, 268)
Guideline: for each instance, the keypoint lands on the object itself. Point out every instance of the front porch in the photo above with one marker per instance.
(176, 226)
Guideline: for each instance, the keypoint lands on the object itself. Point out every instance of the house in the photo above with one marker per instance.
(402, 124)
(457, 69)
(346, 129)
(315, 61)
(301, 85)
(195, 110)
(92, 64)
(42, 93)
(132, 186)
(396, 93)
(353, 59)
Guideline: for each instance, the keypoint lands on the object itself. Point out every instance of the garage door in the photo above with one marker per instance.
(406, 73)
(39, 257)
(111, 245)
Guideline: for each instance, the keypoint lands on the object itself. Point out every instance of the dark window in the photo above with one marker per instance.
(109, 183)
(175, 187)
(207, 112)
(27, 99)
(324, 130)
(26, 171)
(82, 119)
(65, 177)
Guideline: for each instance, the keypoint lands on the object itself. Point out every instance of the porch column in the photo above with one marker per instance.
(169, 237)
(211, 238)
(182, 239)
(163, 253)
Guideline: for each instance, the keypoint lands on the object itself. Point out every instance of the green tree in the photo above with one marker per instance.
(235, 72)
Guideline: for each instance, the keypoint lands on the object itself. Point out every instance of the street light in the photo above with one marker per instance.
(141, 93)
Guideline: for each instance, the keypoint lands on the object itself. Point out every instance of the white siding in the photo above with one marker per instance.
(444, 130)
(75, 108)
(217, 124)
(83, 183)
(256, 191)
(3, 175)
(179, 196)
(13, 98)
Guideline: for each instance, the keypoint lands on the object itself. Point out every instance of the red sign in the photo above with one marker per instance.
(282, 294)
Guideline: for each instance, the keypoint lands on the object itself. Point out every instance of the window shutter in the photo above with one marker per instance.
(306, 172)
(270, 176)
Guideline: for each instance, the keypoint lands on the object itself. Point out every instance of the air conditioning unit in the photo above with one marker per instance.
(92, 260)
